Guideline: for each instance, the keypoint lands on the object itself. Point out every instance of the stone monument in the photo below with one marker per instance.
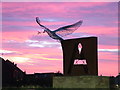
(86, 54)
(80, 75)
(80, 61)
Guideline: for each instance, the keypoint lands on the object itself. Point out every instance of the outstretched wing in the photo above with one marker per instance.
(38, 21)
(66, 30)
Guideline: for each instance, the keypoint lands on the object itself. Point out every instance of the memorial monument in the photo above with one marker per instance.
(83, 50)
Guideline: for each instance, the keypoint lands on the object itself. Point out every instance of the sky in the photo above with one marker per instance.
(35, 53)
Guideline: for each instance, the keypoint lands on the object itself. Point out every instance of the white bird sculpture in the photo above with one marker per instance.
(62, 31)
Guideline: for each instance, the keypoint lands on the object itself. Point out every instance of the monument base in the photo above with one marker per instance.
(81, 82)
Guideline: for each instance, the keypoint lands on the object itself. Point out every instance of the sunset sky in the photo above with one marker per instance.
(39, 53)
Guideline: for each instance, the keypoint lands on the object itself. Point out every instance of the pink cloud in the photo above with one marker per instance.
(38, 69)
(38, 9)
(50, 5)
(32, 23)
(38, 66)
(108, 56)
(108, 68)
(98, 30)
(22, 36)
(19, 23)
(17, 36)
(40, 56)
(107, 47)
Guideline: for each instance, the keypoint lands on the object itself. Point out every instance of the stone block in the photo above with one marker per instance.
(81, 82)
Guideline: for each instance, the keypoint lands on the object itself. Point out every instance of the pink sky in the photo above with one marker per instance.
(40, 53)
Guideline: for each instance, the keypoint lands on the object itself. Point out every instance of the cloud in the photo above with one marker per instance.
(102, 46)
(108, 56)
(108, 68)
(17, 36)
(6, 51)
(98, 30)
(44, 44)
(50, 11)
(42, 67)
(108, 50)
(20, 59)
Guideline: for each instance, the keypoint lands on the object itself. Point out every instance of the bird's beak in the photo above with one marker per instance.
(39, 32)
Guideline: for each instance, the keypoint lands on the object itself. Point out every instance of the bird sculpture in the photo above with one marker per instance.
(60, 32)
